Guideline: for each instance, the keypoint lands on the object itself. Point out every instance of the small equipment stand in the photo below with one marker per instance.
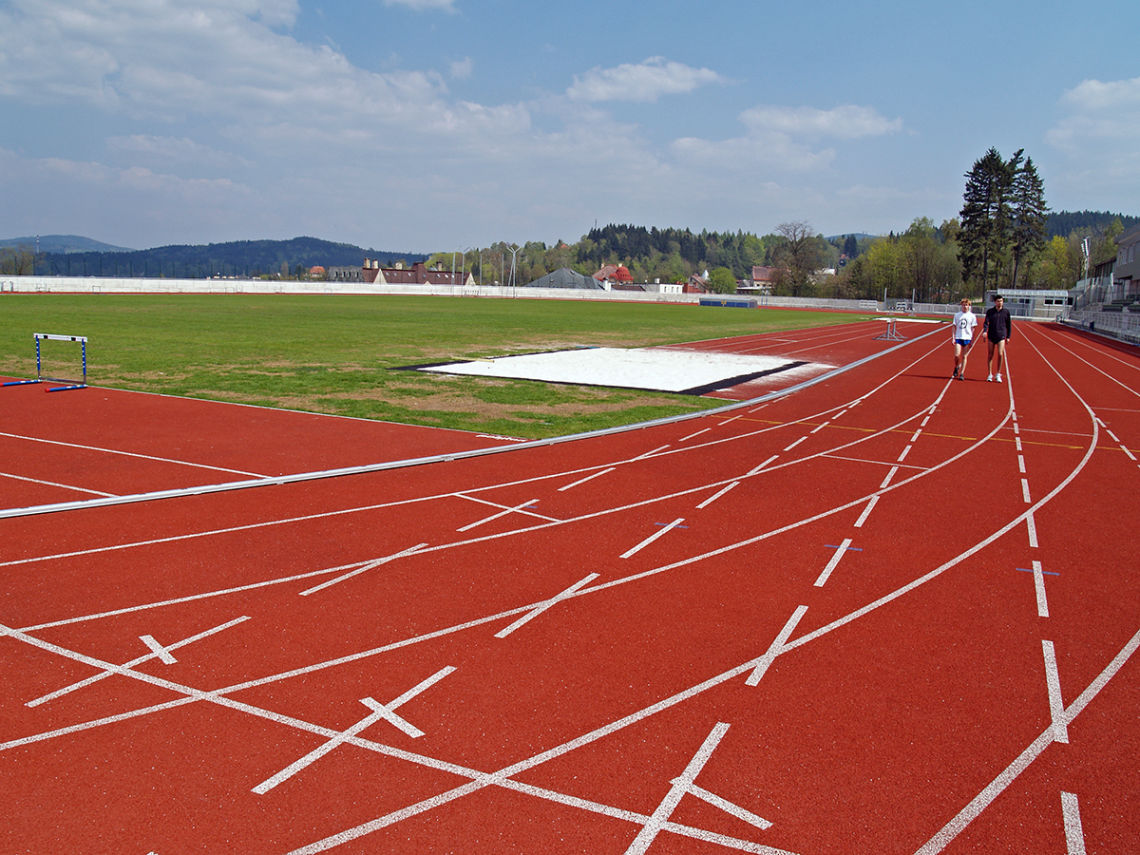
(892, 333)
(40, 378)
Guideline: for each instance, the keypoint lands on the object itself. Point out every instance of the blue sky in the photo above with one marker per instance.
(426, 125)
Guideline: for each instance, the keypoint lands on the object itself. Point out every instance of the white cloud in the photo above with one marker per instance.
(645, 81)
(1099, 113)
(845, 122)
(423, 5)
(462, 69)
(780, 138)
(1095, 95)
(1099, 163)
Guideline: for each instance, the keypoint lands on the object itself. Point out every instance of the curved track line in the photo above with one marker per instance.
(439, 458)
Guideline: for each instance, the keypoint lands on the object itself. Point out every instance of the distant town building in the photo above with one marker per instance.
(1127, 270)
(345, 274)
(417, 274)
(614, 273)
(763, 280)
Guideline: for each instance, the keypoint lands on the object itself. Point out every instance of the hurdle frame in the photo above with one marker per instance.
(38, 337)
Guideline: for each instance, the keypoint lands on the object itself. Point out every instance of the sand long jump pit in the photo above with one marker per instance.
(686, 372)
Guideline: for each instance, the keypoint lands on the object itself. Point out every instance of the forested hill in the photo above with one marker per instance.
(250, 258)
(1065, 223)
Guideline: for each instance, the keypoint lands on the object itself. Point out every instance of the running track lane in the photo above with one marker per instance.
(822, 615)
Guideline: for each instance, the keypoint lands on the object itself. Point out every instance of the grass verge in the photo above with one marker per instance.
(336, 353)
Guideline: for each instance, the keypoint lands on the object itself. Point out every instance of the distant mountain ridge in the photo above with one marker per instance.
(246, 259)
(61, 244)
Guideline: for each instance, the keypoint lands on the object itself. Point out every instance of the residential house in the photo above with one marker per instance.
(417, 274)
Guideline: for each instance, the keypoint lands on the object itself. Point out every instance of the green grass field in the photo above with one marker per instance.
(335, 354)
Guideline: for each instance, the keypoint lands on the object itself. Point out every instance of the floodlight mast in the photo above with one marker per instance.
(514, 248)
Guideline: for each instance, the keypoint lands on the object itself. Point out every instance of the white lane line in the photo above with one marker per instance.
(501, 513)
(379, 711)
(363, 568)
(756, 469)
(103, 674)
(542, 607)
(729, 421)
(818, 427)
(133, 454)
(867, 510)
(651, 453)
(945, 835)
(1021, 463)
(718, 494)
(652, 538)
(158, 650)
(890, 475)
(840, 551)
(728, 807)
(1032, 526)
(677, 789)
(1017, 441)
(794, 444)
(1074, 833)
(590, 477)
(1039, 587)
(776, 648)
(56, 484)
(905, 452)
(694, 434)
(501, 506)
(307, 518)
(1025, 491)
(914, 437)
(1056, 705)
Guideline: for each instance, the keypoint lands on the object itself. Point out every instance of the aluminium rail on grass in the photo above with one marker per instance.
(441, 458)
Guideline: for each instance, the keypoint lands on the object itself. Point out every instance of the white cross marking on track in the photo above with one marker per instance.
(367, 565)
(379, 711)
(542, 607)
(154, 654)
(776, 648)
(686, 783)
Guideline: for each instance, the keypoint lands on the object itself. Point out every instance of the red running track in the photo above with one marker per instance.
(886, 613)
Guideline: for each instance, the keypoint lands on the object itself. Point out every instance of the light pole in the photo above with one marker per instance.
(514, 248)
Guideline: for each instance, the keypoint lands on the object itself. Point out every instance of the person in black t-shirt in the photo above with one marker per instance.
(997, 328)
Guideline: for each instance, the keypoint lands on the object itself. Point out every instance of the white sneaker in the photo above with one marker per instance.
(999, 378)
(990, 378)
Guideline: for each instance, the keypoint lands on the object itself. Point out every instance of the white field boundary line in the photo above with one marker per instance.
(438, 458)
(819, 334)
(102, 450)
(1035, 749)
(359, 565)
(366, 828)
(1100, 370)
(751, 665)
(496, 486)
(479, 779)
(1078, 705)
(500, 777)
(1096, 347)
(15, 477)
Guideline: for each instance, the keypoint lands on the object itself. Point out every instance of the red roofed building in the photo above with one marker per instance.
(417, 274)
(614, 273)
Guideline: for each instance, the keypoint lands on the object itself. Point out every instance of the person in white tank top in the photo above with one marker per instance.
(963, 337)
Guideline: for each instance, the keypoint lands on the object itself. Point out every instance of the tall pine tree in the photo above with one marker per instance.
(1030, 214)
(985, 214)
